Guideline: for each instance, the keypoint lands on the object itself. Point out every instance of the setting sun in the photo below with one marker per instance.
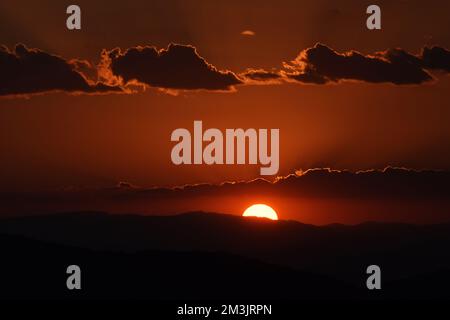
(260, 211)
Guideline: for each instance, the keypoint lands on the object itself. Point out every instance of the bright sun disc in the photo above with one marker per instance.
(260, 211)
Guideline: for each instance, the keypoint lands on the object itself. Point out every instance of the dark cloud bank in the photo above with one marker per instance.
(25, 71)
(321, 64)
(387, 183)
(177, 67)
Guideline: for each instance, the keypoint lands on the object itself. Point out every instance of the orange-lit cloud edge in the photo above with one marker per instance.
(279, 179)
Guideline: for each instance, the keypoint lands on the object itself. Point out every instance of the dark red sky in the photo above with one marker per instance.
(56, 140)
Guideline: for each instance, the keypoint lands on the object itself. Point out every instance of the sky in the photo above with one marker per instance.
(97, 133)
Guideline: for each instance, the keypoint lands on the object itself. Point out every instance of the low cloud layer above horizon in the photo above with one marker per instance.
(180, 67)
(392, 194)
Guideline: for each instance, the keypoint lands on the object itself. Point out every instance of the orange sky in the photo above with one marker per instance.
(55, 140)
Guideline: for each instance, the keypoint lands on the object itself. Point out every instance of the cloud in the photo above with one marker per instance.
(261, 76)
(125, 185)
(390, 182)
(84, 67)
(436, 58)
(307, 76)
(25, 71)
(248, 33)
(321, 64)
(178, 67)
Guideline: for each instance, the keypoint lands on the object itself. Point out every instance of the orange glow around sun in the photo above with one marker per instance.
(260, 211)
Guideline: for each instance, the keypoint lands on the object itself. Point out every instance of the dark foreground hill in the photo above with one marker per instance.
(220, 256)
(32, 269)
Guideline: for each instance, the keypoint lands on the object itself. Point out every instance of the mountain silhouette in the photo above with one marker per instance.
(207, 255)
(32, 269)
